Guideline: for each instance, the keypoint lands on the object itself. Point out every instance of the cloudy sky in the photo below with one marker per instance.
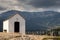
(30, 5)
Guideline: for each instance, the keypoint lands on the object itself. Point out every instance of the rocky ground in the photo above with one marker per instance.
(13, 36)
(18, 36)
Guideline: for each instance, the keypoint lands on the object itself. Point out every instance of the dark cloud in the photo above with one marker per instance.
(30, 5)
(44, 3)
(22, 0)
(2, 8)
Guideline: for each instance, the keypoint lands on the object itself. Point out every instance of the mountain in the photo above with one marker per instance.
(36, 21)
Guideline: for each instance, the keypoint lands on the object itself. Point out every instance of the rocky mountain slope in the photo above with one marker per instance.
(36, 21)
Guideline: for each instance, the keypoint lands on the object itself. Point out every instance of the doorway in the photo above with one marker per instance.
(16, 27)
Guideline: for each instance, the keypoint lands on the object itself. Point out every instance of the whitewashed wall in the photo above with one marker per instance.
(6, 25)
(12, 20)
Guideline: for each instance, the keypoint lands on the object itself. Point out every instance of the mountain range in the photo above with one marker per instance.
(36, 21)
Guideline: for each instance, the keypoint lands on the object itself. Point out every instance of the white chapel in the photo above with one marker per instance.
(15, 23)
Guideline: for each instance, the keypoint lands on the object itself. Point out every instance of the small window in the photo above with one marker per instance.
(5, 30)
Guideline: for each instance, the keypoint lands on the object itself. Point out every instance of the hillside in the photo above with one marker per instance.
(36, 21)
